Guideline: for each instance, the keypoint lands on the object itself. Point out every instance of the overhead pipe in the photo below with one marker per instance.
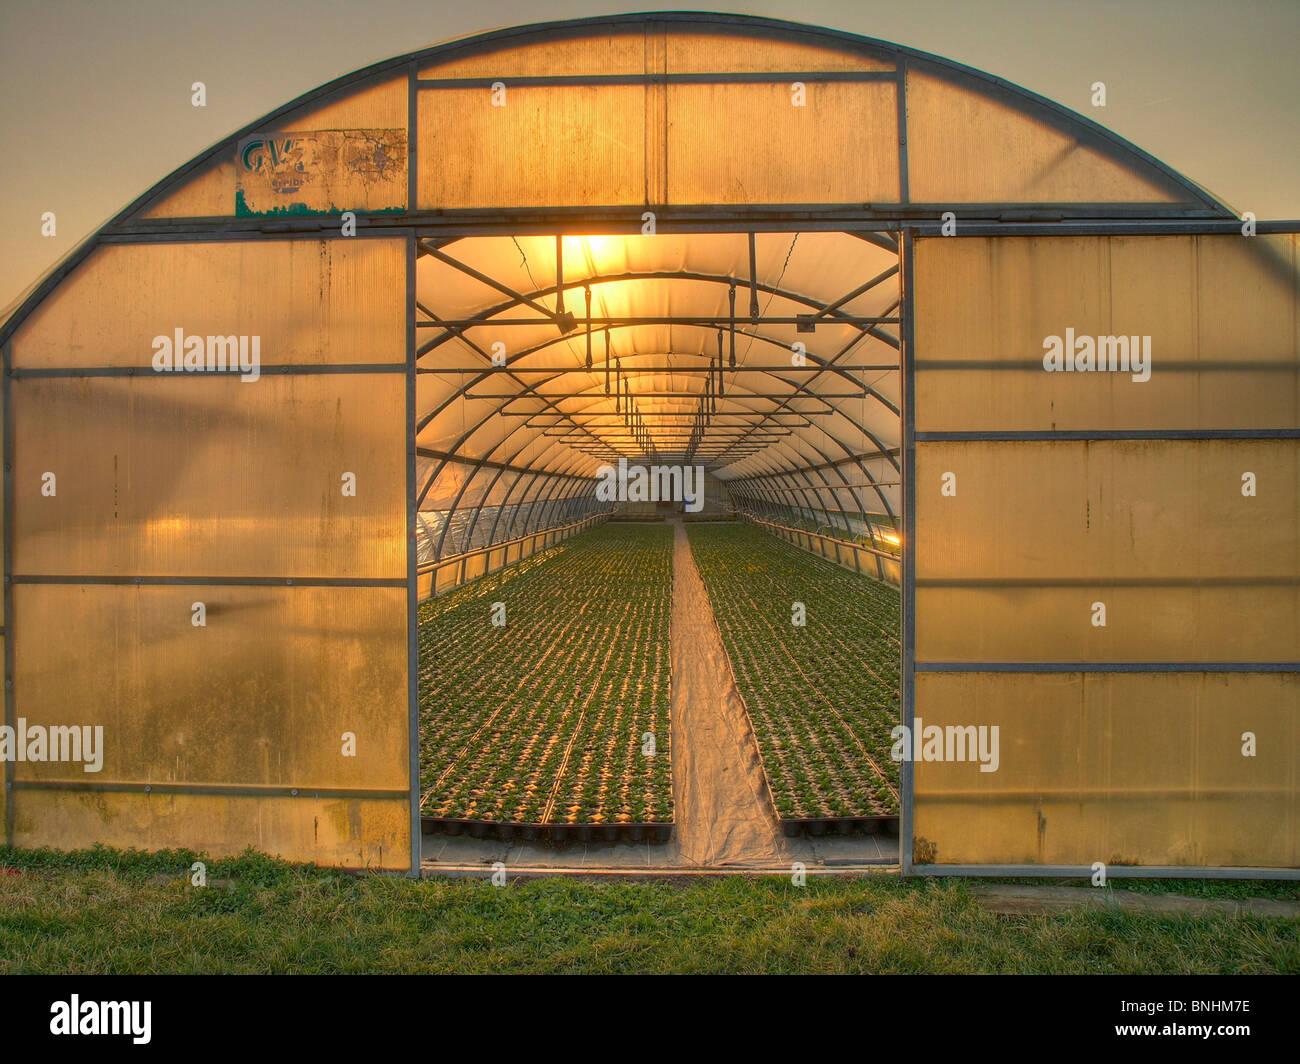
(731, 297)
(567, 322)
(721, 385)
(587, 290)
(753, 280)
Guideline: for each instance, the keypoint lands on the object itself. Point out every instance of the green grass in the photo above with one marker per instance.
(106, 911)
(542, 720)
(824, 697)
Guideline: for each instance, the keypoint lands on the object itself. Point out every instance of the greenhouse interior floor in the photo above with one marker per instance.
(751, 753)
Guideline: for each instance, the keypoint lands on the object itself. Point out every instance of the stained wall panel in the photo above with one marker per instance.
(308, 301)
(298, 161)
(210, 476)
(261, 693)
(349, 833)
(976, 145)
(550, 145)
(1122, 769)
(1188, 532)
(213, 570)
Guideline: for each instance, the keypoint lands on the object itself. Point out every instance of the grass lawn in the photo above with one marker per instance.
(102, 911)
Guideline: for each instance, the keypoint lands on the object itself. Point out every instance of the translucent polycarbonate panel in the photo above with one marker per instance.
(1187, 566)
(1138, 769)
(662, 49)
(262, 692)
(970, 144)
(1240, 622)
(380, 104)
(209, 193)
(343, 833)
(1114, 509)
(475, 567)
(556, 146)
(1217, 314)
(833, 142)
(181, 475)
(754, 51)
(612, 51)
(347, 152)
(305, 301)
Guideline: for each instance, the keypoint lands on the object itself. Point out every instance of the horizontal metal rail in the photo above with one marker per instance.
(721, 77)
(656, 319)
(222, 790)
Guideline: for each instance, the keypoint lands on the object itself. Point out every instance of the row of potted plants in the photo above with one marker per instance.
(541, 720)
(823, 696)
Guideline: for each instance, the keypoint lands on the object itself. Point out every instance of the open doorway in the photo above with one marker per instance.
(659, 532)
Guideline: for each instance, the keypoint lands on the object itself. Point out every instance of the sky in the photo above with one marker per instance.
(96, 94)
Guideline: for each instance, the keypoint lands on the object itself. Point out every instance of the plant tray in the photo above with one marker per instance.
(553, 832)
(841, 825)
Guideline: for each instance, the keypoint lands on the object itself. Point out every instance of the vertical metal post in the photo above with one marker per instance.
(559, 276)
(587, 290)
(900, 91)
(8, 432)
(907, 686)
(412, 577)
(412, 120)
(412, 502)
(731, 303)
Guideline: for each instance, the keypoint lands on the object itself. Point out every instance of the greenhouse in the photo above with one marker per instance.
(665, 440)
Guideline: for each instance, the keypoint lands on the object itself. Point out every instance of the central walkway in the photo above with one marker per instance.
(723, 813)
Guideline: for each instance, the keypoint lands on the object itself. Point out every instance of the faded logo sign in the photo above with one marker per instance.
(321, 172)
